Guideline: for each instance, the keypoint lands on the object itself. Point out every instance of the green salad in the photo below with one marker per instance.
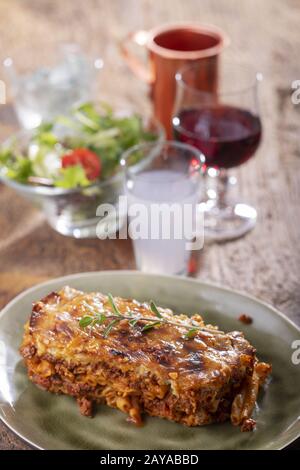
(75, 150)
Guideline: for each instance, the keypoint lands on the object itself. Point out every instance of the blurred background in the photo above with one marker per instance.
(265, 34)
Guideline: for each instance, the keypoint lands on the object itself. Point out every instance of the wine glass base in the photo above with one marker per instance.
(228, 223)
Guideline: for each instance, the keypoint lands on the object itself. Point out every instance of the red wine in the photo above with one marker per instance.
(226, 135)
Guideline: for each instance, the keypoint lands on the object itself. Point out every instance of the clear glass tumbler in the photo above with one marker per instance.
(162, 194)
(62, 80)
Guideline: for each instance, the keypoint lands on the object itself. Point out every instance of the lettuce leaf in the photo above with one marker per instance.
(15, 167)
(72, 177)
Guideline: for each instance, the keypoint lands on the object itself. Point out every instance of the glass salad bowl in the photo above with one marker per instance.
(72, 211)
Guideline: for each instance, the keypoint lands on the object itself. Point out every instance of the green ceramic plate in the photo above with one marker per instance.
(47, 421)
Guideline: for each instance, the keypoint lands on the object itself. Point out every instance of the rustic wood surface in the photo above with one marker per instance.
(265, 263)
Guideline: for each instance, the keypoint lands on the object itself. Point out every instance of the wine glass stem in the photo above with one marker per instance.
(222, 189)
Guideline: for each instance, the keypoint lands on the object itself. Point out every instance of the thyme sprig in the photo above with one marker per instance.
(99, 318)
(113, 305)
(155, 309)
(109, 328)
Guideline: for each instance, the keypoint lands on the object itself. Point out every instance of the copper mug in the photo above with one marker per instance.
(170, 47)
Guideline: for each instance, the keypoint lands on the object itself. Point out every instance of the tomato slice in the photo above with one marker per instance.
(89, 160)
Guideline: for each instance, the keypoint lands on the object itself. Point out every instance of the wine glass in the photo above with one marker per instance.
(224, 124)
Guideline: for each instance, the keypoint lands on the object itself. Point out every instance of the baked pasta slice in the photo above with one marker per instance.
(141, 359)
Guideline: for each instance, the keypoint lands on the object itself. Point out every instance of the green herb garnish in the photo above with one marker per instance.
(99, 319)
(149, 326)
(115, 317)
(85, 321)
(109, 328)
(191, 333)
(113, 305)
(155, 309)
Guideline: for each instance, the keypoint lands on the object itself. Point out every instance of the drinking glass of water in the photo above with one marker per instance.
(163, 182)
(62, 80)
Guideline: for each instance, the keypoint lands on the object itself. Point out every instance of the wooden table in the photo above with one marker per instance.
(266, 262)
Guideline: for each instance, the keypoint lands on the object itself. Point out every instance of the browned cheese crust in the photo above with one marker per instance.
(210, 377)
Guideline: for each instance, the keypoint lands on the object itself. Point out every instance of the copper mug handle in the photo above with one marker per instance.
(139, 38)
